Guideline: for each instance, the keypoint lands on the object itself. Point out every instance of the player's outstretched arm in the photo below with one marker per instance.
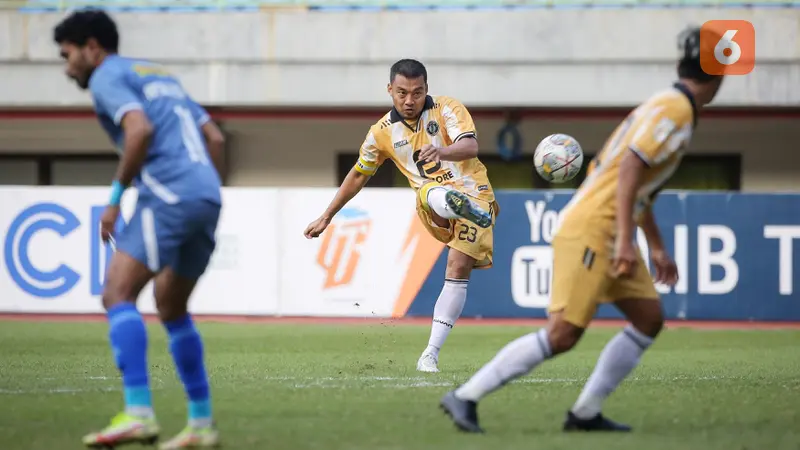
(352, 185)
(215, 141)
(630, 178)
(138, 133)
(664, 266)
(651, 231)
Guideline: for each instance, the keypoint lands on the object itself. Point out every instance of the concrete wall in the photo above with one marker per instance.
(302, 152)
(487, 58)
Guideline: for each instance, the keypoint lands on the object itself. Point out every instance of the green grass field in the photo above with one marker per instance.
(290, 386)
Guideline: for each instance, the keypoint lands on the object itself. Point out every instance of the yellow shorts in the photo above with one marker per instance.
(582, 280)
(463, 235)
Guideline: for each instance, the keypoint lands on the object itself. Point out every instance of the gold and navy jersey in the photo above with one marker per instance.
(443, 121)
(658, 132)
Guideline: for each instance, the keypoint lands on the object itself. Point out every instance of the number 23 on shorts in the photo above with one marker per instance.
(467, 233)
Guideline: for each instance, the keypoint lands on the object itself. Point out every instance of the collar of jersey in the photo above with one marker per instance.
(685, 91)
(394, 115)
(106, 60)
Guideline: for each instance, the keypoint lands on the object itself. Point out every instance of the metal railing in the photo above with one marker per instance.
(189, 5)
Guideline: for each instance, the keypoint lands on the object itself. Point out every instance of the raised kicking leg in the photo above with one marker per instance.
(445, 205)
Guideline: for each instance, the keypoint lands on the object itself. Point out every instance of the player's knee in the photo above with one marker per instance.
(440, 222)
(170, 312)
(115, 293)
(650, 324)
(645, 315)
(459, 268)
(563, 336)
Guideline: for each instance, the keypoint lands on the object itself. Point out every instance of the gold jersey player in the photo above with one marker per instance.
(595, 259)
(432, 141)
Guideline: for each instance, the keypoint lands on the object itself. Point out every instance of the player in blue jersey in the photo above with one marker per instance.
(171, 152)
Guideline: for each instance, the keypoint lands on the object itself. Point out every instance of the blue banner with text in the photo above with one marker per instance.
(735, 255)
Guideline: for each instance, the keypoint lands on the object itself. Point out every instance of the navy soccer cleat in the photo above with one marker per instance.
(464, 207)
(596, 423)
(464, 413)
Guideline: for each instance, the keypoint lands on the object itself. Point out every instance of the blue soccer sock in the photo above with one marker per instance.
(187, 351)
(128, 338)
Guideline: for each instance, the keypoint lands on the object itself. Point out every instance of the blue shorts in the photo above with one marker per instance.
(180, 236)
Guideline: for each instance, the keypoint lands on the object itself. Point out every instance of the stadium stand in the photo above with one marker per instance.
(212, 5)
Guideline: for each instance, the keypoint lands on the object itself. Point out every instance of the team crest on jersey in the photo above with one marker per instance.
(432, 128)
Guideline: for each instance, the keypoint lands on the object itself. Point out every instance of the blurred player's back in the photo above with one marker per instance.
(667, 119)
(177, 163)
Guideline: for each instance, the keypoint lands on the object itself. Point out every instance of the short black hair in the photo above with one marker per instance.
(409, 68)
(689, 62)
(86, 24)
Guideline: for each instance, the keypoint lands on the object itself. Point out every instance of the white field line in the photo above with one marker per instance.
(426, 382)
(80, 388)
(361, 382)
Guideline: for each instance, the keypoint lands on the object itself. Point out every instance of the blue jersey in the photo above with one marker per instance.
(177, 166)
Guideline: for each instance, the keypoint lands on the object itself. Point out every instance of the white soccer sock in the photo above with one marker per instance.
(438, 203)
(447, 310)
(620, 356)
(514, 360)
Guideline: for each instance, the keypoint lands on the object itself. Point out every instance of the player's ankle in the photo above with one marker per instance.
(587, 407)
(466, 395)
(201, 422)
(140, 412)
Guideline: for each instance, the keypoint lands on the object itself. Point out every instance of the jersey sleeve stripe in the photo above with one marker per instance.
(642, 155)
(204, 119)
(125, 109)
(466, 134)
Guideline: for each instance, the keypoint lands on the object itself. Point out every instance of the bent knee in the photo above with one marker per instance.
(169, 313)
(115, 294)
(459, 268)
(563, 336)
(650, 324)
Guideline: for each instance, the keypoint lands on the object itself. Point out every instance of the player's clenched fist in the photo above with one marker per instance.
(315, 228)
(430, 153)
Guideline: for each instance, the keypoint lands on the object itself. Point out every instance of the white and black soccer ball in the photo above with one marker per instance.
(558, 158)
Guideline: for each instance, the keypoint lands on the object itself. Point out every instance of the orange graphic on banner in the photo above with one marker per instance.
(426, 251)
(340, 250)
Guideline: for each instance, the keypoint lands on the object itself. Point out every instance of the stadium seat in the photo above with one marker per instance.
(211, 5)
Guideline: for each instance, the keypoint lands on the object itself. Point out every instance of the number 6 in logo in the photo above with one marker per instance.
(727, 47)
(727, 51)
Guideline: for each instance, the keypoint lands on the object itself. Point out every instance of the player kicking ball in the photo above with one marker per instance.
(594, 256)
(159, 132)
(433, 142)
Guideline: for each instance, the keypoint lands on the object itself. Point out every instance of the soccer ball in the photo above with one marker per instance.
(558, 158)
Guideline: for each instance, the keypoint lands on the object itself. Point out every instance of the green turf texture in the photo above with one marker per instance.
(330, 387)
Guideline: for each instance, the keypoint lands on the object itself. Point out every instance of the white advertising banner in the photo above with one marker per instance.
(54, 261)
(370, 262)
